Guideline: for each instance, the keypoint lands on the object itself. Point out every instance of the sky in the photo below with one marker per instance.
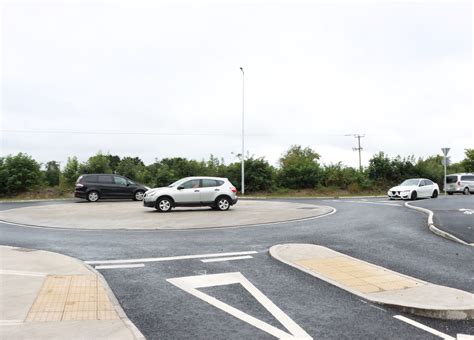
(162, 79)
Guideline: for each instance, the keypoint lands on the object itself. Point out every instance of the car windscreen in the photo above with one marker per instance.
(409, 182)
(451, 179)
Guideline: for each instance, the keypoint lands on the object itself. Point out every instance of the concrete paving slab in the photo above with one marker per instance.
(132, 215)
(377, 284)
(46, 295)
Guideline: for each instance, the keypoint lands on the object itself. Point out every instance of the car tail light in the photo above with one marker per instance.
(459, 183)
(234, 190)
(79, 185)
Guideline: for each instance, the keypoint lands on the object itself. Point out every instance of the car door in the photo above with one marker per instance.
(122, 189)
(427, 188)
(209, 190)
(188, 192)
(107, 186)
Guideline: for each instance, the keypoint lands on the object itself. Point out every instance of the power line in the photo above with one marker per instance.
(161, 133)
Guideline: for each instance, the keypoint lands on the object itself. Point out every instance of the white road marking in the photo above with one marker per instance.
(20, 273)
(11, 322)
(172, 258)
(191, 283)
(119, 266)
(227, 258)
(389, 203)
(467, 211)
(423, 327)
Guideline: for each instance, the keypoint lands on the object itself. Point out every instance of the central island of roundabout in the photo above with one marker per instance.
(105, 215)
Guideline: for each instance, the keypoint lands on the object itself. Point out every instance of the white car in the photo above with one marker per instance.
(414, 188)
(216, 192)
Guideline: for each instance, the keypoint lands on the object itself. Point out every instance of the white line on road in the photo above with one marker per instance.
(191, 284)
(11, 322)
(119, 266)
(172, 258)
(423, 327)
(20, 273)
(227, 258)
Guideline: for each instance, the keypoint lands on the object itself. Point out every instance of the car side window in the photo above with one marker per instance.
(467, 178)
(194, 183)
(206, 183)
(90, 179)
(106, 179)
(120, 180)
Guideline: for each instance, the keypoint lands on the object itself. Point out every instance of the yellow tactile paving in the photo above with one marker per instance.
(72, 297)
(357, 275)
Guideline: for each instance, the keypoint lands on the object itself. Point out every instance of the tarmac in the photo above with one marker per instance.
(377, 284)
(46, 295)
(133, 215)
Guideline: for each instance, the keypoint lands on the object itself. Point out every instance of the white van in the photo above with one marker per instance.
(463, 183)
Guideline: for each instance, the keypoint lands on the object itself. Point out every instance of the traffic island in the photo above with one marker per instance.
(46, 295)
(377, 284)
(132, 215)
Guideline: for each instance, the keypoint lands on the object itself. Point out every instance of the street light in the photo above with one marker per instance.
(243, 133)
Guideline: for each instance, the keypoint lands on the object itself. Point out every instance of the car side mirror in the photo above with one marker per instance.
(420, 185)
(180, 187)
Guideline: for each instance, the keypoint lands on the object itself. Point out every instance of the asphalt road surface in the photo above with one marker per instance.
(375, 230)
(453, 214)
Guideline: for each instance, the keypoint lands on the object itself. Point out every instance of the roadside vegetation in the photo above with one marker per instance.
(299, 173)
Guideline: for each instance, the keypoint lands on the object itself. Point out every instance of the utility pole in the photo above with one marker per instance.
(359, 148)
(445, 163)
(243, 134)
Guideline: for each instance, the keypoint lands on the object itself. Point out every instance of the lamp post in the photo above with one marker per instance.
(242, 160)
(445, 163)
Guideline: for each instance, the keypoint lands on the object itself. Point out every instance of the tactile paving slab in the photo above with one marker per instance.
(359, 276)
(71, 297)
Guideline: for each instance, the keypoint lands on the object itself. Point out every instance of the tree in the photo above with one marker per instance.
(70, 173)
(19, 173)
(98, 164)
(299, 168)
(52, 173)
(259, 175)
(130, 167)
(468, 161)
(113, 162)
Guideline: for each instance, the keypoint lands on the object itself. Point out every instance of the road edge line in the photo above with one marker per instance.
(435, 229)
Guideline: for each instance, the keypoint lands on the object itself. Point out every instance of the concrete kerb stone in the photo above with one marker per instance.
(409, 300)
(433, 228)
(118, 308)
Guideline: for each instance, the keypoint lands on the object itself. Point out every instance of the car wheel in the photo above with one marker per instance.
(164, 204)
(413, 195)
(435, 194)
(139, 195)
(223, 203)
(93, 196)
(466, 191)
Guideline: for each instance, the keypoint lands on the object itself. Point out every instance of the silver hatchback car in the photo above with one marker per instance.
(216, 192)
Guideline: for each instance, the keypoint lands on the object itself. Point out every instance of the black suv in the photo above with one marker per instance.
(95, 186)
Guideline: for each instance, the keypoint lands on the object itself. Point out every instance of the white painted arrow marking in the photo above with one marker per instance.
(467, 211)
(190, 284)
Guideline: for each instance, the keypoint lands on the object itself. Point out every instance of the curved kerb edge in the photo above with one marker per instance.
(433, 228)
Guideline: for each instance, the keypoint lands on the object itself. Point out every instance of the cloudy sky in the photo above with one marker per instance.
(162, 79)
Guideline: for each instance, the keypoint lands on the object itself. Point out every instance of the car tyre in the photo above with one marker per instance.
(139, 195)
(222, 203)
(413, 196)
(93, 196)
(435, 194)
(466, 191)
(164, 204)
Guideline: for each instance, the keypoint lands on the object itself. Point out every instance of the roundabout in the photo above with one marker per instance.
(132, 215)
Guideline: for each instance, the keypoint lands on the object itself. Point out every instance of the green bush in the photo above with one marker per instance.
(19, 173)
(299, 168)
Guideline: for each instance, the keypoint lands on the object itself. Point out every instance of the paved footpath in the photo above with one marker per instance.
(46, 295)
